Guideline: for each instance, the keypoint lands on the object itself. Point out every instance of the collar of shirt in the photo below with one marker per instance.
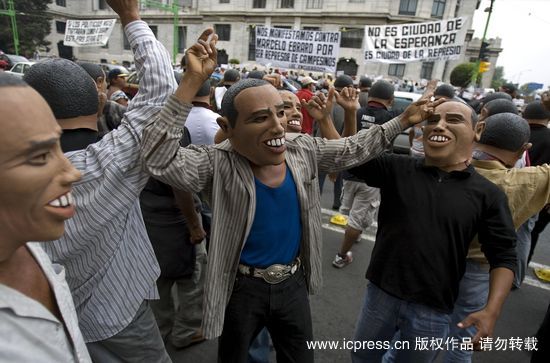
(375, 104)
(202, 104)
(456, 174)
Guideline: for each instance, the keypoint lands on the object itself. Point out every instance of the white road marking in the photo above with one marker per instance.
(370, 237)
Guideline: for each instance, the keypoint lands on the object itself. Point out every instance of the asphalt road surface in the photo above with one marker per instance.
(335, 309)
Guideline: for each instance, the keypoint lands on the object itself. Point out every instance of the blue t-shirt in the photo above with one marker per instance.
(277, 229)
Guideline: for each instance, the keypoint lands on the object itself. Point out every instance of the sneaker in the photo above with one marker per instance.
(340, 262)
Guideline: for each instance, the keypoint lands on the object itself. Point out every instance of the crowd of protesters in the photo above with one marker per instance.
(191, 211)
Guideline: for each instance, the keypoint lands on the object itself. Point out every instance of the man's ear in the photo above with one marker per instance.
(483, 114)
(480, 127)
(226, 128)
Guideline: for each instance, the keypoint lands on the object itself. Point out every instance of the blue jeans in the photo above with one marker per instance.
(383, 315)
(259, 349)
(523, 246)
(472, 297)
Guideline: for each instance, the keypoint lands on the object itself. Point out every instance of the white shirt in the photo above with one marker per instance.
(202, 125)
(31, 333)
(219, 92)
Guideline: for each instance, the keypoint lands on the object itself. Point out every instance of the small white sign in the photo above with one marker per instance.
(434, 40)
(88, 33)
(297, 49)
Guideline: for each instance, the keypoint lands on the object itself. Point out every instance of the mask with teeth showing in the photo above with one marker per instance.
(449, 136)
(259, 131)
(293, 111)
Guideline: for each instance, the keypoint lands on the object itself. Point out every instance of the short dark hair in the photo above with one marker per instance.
(445, 90)
(365, 82)
(382, 90)
(204, 90)
(256, 74)
(506, 131)
(9, 80)
(228, 109)
(231, 75)
(65, 86)
(500, 106)
(343, 81)
(536, 111)
(94, 70)
(495, 96)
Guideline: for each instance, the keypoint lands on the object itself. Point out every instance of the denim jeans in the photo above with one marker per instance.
(282, 308)
(523, 246)
(472, 297)
(259, 349)
(383, 315)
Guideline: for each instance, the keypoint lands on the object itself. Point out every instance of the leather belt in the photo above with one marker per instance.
(273, 274)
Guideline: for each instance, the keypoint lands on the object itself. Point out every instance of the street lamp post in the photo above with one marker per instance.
(10, 11)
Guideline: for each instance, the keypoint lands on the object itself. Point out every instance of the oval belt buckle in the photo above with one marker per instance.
(274, 274)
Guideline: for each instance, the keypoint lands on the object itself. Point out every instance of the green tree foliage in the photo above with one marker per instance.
(461, 75)
(498, 78)
(33, 25)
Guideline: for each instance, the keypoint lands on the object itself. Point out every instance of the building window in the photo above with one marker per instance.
(186, 3)
(352, 37)
(252, 42)
(102, 4)
(182, 34)
(60, 27)
(286, 4)
(258, 4)
(61, 3)
(224, 1)
(438, 8)
(397, 70)
(282, 26)
(314, 4)
(427, 70)
(407, 7)
(314, 28)
(223, 31)
(154, 29)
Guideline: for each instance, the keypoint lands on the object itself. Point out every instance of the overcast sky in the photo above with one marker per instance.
(524, 27)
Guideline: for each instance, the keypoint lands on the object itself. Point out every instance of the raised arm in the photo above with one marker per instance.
(349, 100)
(188, 169)
(118, 151)
(320, 108)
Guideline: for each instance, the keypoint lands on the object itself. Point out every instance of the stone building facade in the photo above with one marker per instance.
(235, 22)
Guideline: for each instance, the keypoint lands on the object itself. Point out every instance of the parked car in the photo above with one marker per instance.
(401, 101)
(11, 59)
(20, 68)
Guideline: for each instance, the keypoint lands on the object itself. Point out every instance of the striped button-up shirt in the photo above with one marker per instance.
(31, 333)
(111, 266)
(228, 180)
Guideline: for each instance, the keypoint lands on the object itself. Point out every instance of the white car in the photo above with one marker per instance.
(400, 101)
(20, 68)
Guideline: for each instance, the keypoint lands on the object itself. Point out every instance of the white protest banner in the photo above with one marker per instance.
(297, 49)
(88, 33)
(435, 40)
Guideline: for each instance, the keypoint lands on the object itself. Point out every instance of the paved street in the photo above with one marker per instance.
(336, 308)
